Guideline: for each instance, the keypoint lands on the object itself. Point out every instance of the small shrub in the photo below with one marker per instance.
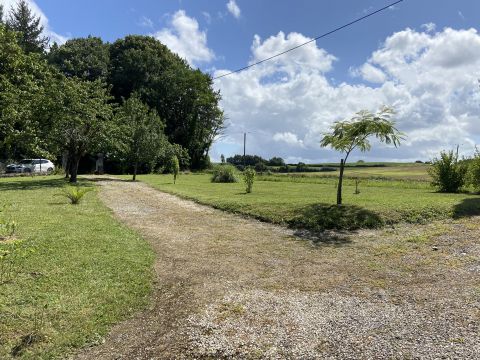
(175, 165)
(448, 174)
(248, 179)
(75, 194)
(224, 174)
(474, 171)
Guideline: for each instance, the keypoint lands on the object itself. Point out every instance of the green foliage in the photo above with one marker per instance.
(171, 150)
(140, 136)
(82, 117)
(448, 174)
(276, 161)
(175, 166)
(222, 159)
(249, 179)
(352, 134)
(23, 21)
(319, 217)
(247, 160)
(142, 64)
(85, 58)
(224, 174)
(25, 81)
(474, 171)
(75, 193)
(7, 225)
(301, 167)
(261, 167)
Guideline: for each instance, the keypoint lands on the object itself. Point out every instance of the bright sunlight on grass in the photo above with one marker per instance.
(304, 202)
(81, 271)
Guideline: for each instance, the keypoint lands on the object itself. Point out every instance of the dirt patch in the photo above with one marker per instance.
(231, 287)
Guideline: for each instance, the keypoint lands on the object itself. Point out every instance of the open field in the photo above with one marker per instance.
(306, 202)
(81, 271)
(404, 171)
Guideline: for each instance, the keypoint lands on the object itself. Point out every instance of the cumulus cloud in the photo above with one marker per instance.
(429, 78)
(233, 9)
(47, 30)
(185, 38)
(288, 138)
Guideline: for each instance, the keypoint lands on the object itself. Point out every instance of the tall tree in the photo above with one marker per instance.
(184, 98)
(1, 14)
(24, 81)
(22, 20)
(86, 58)
(82, 118)
(352, 134)
(140, 133)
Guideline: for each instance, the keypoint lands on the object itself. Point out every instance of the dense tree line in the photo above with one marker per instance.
(133, 100)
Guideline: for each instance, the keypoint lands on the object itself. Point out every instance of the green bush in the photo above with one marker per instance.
(261, 167)
(448, 174)
(225, 173)
(474, 171)
(248, 179)
(175, 167)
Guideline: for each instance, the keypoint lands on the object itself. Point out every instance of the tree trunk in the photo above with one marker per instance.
(135, 166)
(67, 167)
(340, 181)
(75, 160)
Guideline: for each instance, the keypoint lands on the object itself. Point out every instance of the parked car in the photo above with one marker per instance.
(31, 165)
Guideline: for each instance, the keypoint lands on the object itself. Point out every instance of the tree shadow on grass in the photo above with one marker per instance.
(332, 224)
(31, 184)
(467, 207)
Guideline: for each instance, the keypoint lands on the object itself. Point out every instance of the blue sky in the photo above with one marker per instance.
(422, 56)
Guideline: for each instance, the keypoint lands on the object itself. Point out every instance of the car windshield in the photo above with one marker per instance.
(25, 162)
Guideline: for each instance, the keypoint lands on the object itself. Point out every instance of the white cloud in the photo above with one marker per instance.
(145, 22)
(429, 27)
(185, 38)
(430, 79)
(288, 138)
(233, 9)
(47, 31)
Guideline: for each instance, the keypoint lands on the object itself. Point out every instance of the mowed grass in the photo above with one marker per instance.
(309, 202)
(81, 271)
(405, 172)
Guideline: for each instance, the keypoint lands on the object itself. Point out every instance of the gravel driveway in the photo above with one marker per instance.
(230, 287)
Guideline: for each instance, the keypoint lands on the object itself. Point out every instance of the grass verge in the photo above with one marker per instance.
(78, 271)
(307, 203)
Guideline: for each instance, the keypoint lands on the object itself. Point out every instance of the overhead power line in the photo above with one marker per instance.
(310, 41)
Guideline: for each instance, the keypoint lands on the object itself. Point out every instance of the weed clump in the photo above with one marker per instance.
(248, 179)
(225, 173)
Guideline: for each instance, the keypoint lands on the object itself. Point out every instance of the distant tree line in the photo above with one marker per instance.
(133, 100)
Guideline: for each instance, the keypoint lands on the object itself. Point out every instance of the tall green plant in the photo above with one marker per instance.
(175, 168)
(352, 134)
(249, 179)
(474, 171)
(448, 174)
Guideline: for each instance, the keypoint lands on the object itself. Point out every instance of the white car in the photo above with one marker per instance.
(31, 165)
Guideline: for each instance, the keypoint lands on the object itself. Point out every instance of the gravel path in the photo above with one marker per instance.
(230, 287)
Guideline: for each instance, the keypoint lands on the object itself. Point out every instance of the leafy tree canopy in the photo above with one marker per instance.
(86, 58)
(184, 98)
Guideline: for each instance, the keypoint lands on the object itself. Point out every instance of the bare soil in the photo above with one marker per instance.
(232, 287)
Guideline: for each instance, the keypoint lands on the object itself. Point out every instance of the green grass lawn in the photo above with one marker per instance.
(307, 202)
(81, 271)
